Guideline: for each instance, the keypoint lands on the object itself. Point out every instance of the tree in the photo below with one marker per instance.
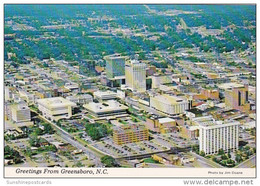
(79, 164)
(224, 157)
(10, 153)
(48, 128)
(141, 56)
(45, 65)
(38, 131)
(28, 152)
(13, 58)
(202, 153)
(109, 161)
(163, 71)
(96, 131)
(249, 152)
(221, 151)
(195, 148)
(238, 158)
(134, 120)
(7, 149)
(52, 148)
(17, 159)
(230, 163)
(34, 141)
(15, 65)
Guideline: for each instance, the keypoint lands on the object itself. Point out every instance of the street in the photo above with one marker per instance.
(69, 138)
(250, 163)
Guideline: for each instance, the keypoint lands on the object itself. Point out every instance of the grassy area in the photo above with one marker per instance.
(59, 82)
(34, 108)
(90, 116)
(150, 160)
(83, 142)
(131, 109)
(122, 121)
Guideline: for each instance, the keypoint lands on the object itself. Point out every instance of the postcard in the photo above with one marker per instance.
(129, 91)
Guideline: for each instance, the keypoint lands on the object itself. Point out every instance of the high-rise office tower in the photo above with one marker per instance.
(115, 65)
(135, 75)
(236, 96)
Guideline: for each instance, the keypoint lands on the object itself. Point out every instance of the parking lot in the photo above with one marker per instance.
(144, 147)
(174, 140)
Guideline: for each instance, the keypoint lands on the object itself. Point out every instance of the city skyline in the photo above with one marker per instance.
(130, 86)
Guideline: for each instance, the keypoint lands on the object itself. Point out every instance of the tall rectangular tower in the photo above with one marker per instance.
(216, 135)
(136, 75)
(236, 96)
(115, 65)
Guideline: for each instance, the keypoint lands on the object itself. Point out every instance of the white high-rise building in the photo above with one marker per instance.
(216, 135)
(135, 73)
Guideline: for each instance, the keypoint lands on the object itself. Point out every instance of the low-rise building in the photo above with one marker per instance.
(55, 108)
(20, 113)
(169, 104)
(80, 99)
(210, 93)
(193, 113)
(161, 158)
(166, 125)
(28, 97)
(190, 132)
(158, 80)
(107, 108)
(105, 95)
(71, 86)
(130, 134)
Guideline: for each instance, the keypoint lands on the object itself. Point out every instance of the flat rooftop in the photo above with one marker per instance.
(104, 93)
(107, 106)
(135, 62)
(166, 120)
(230, 86)
(195, 111)
(170, 99)
(130, 127)
(55, 102)
(17, 106)
(209, 121)
(80, 96)
(115, 56)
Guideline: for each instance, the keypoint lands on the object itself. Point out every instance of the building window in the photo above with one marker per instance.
(239, 98)
(246, 96)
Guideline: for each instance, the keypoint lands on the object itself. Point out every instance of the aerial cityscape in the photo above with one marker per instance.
(130, 85)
